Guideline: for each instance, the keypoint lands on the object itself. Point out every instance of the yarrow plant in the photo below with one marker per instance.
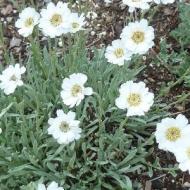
(171, 131)
(117, 53)
(134, 97)
(64, 128)
(11, 78)
(73, 90)
(164, 1)
(141, 4)
(108, 1)
(136, 38)
(182, 153)
(173, 135)
(76, 22)
(68, 126)
(28, 19)
(54, 19)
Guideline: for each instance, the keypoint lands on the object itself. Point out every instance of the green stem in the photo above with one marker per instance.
(123, 123)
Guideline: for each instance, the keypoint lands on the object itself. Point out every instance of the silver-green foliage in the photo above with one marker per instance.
(112, 147)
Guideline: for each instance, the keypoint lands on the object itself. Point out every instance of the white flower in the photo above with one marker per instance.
(138, 36)
(117, 53)
(76, 22)
(184, 166)
(11, 78)
(52, 186)
(134, 97)
(182, 151)
(28, 18)
(55, 19)
(142, 4)
(73, 90)
(164, 1)
(108, 1)
(64, 128)
(170, 132)
(1, 130)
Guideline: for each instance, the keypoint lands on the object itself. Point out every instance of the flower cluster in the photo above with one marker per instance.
(64, 128)
(58, 19)
(53, 21)
(141, 4)
(136, 38)
(134, 97)
(173, 135)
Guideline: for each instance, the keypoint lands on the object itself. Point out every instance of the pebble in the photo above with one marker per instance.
(186, 184)
(15, 42)
(9, 19)
(7, 10)
(92, 33)
(60, 44)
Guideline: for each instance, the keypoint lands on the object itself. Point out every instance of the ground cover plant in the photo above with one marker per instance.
(87, 105)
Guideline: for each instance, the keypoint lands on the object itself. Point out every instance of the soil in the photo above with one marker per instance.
(103, 29)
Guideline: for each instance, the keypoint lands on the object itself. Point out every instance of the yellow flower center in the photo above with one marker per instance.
(64, 127)
(188, 152)
(76, 89)
(29, 22)
(173, 134)
(13, 78)
(56, 20)
(75, 25)
(138, 37)
(134, 99)
(119, 52)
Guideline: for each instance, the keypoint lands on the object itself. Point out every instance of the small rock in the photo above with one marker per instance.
(168, 11)
(118, 28)
(7, 10)
(9, 19)
(186, 184)
(148, 185)
(179, 107)
(15, 42)
(151, 79)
